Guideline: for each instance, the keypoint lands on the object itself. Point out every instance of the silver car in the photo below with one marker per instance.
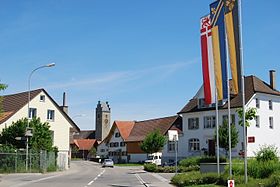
(108, 163)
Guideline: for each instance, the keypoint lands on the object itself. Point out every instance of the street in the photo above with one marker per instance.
(87, 174)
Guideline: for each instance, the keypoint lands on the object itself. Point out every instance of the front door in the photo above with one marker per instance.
(211, 147)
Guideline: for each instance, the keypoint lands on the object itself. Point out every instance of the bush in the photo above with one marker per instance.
(183, 169)
(194, 178)
(150, 167)
(267, 153)
(191, 161)
(262, 170)
(212, 159)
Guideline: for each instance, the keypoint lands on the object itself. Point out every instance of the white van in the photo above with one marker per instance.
(154, 158)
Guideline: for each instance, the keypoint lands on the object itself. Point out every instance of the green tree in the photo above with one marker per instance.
(153, 142)
(250, 114)
(224, 138)
(2, 87)
(92, 152)
(42, 135)
(41, 139)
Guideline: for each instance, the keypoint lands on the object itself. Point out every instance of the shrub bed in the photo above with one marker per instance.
(169, 169)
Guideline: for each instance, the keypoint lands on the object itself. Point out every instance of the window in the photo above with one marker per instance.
(117, 134)
(42, 98)
(122, 144)
(209, 122)
(50, 115)
(257, 121)
(257, 103)
(193, 123)
(201, 103)
(32, 112)
(171, 146)
(270, 105)
(124, 153)
(114, 144)
(194, 144)
(225, 118)
(271, 122)
(102, 150)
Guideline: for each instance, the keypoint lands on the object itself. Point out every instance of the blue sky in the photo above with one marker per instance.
(142, 56)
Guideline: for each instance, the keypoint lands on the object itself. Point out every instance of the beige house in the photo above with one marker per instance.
(41, 105)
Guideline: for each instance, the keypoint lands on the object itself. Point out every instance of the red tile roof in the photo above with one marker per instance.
(85, 144)
(125, 128)
(142, 128)
(252, 85)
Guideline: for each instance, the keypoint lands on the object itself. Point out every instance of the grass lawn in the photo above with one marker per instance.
(206, 185)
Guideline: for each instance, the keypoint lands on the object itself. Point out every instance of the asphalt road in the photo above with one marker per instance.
(88, 174)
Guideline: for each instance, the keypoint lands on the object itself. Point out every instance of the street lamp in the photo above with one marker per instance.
(28, 131)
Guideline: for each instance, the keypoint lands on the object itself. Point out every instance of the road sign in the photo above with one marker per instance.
(251, 139)
(230, 183)
(20, 138)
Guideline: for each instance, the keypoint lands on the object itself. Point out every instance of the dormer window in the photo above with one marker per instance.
(42, 98)
(117, 134)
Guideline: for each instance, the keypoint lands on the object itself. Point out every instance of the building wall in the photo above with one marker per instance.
(118, 153)
(134, 148)
(169, 156)
(135, 158)
(102, 150)
(202, 134)
(60, 126)
(261, 133)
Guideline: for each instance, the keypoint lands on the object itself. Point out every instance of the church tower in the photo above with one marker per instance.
(102, 120)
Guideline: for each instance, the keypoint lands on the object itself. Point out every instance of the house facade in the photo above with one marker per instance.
(114, 146)
(142, 128)
(41, 105)
(199, 120)
(81, 148)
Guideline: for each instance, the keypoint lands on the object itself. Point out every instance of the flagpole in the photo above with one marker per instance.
(228, 103)
(243, 91)
(217, 133)
(229, 130)
(228, 100)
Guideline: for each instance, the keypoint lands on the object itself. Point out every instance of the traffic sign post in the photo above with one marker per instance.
(230, 183)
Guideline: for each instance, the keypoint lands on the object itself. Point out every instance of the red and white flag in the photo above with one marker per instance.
(207, 60)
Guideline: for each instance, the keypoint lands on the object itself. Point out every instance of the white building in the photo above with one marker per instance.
(41, 105)
(199, 121)
(114, 146)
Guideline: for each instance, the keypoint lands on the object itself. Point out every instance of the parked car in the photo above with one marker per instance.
(108, 163)
(154, 158)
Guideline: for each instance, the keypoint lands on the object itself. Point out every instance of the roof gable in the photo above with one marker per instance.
(85, 144)
(14, 102)
(252, 85)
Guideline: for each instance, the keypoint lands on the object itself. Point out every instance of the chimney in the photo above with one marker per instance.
(272, 76)
(64, 107)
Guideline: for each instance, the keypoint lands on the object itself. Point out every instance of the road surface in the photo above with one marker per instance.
(88, 174)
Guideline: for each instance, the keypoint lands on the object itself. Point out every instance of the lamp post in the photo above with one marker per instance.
(28, 133)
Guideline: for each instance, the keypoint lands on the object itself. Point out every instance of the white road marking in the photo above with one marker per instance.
(90, 183)
(141, 180)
